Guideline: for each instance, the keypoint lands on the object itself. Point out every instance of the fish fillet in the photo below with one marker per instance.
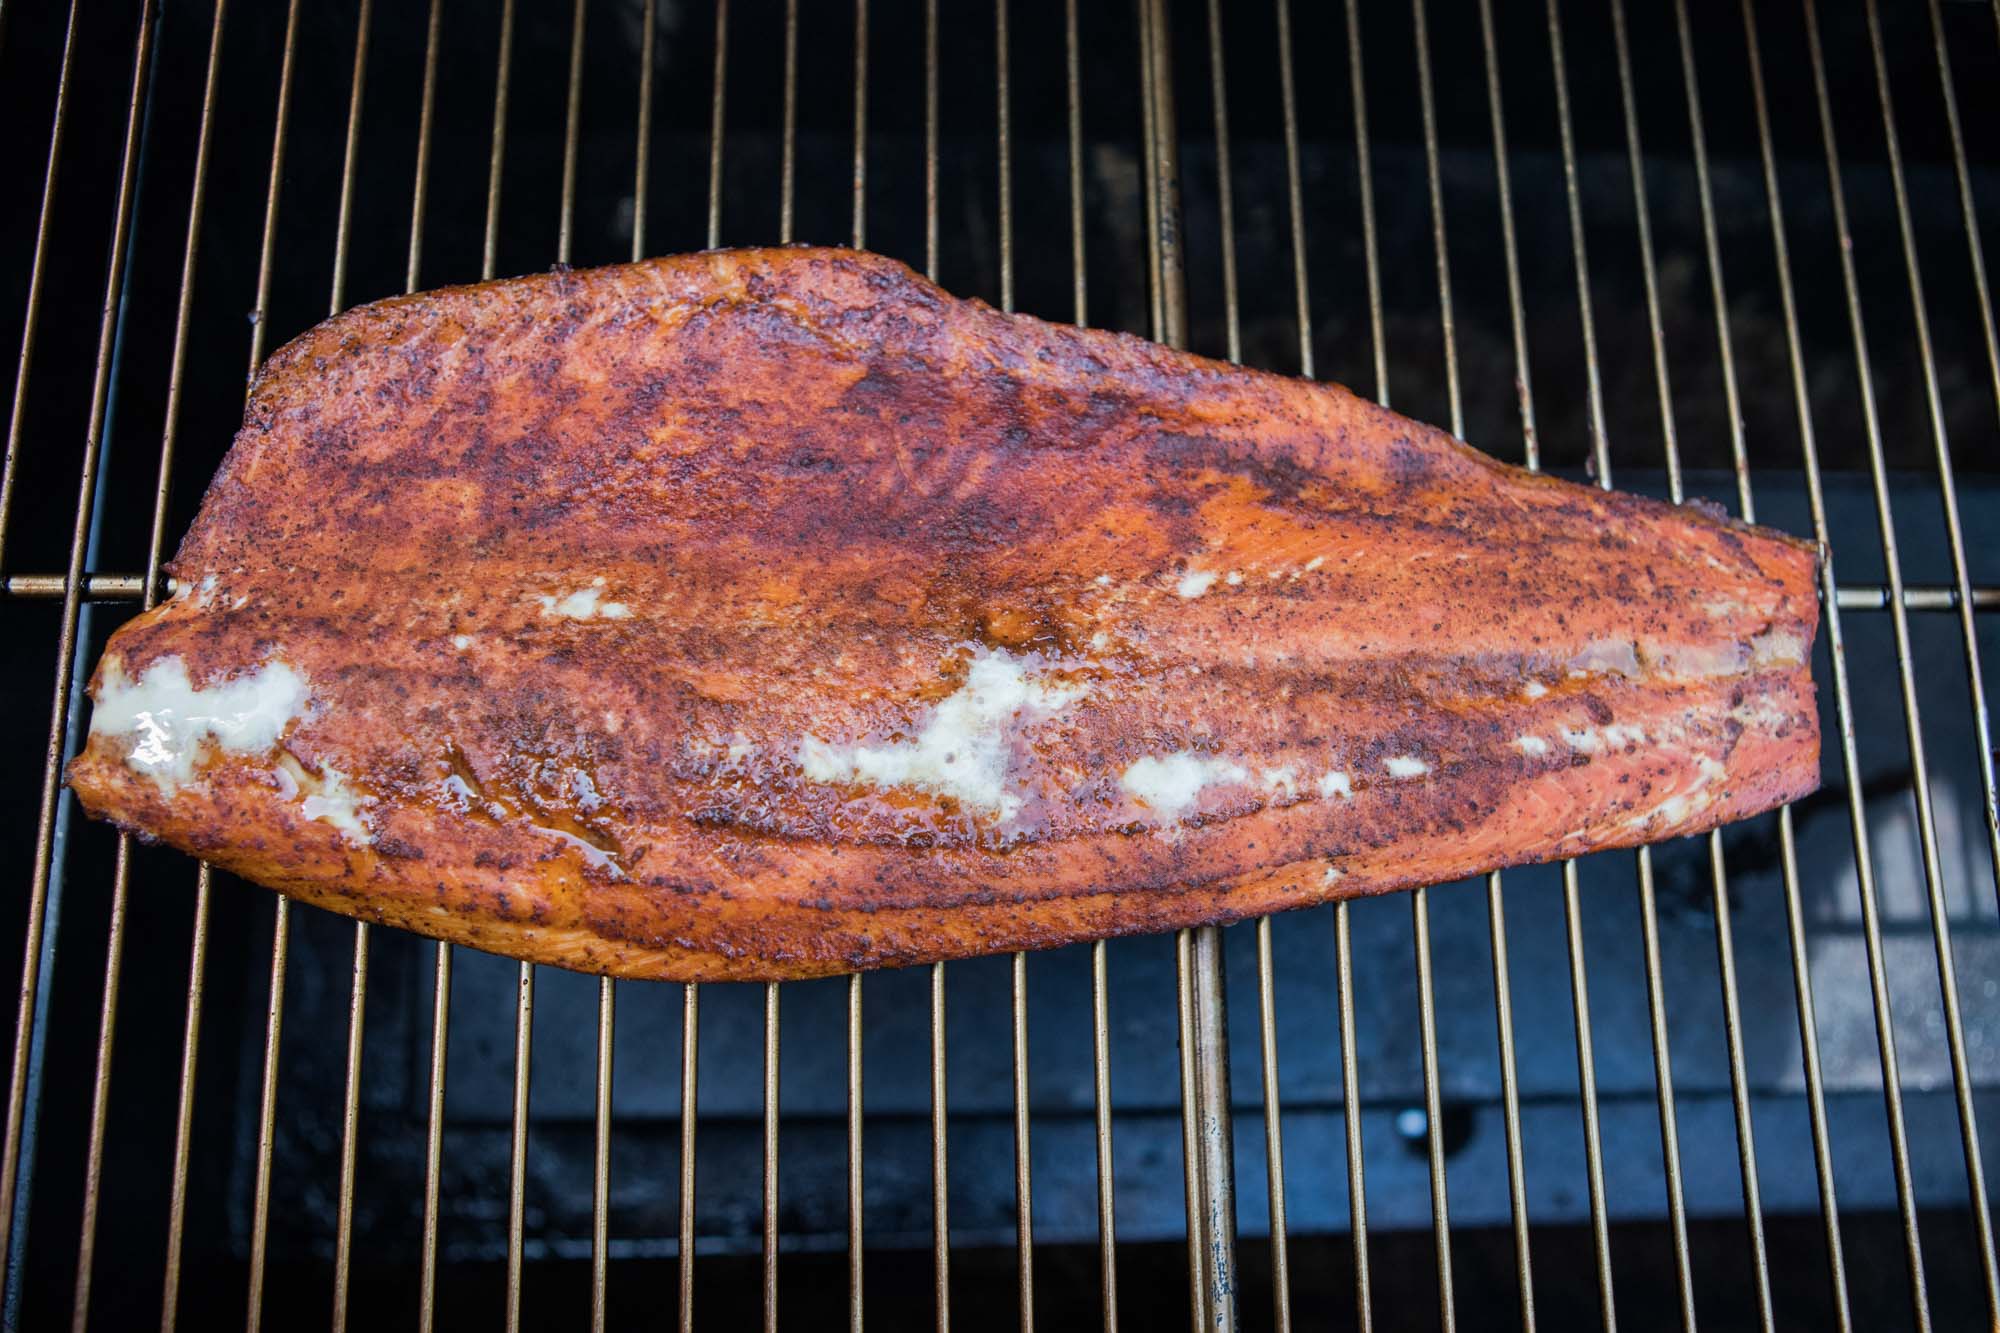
(771, 613)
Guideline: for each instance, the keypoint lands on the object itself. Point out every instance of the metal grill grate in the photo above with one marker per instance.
(1189, 286)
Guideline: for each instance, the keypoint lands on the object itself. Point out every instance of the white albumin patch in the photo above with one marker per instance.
(1617, 736)
(1684, 804)
(208, 594)
(1284, 781)
(592, 854)
(1195, 582)
(1703, 661)
(588, 800)
(338, 804)
(1532, 746)
(1585, 741)
(1315, 563)
(1234, 578)
(1618, 655)
(584, 604)
(1777, 648)
(1673, 810)
(1333, 875)
(1405, 766)
(1335, 784)
(1760, 712)
(1534, 689)
(962, 750)
(1100, 641)
(1169, 784)
(461, 641)
(327, 797)
(167, 720)
(1103, 580)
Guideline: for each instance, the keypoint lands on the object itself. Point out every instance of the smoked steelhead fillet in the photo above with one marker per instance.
(771, 613)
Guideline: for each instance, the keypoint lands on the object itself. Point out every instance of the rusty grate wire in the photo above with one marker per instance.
(1215, 1291)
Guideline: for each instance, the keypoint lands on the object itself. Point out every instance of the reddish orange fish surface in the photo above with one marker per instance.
(771, 613)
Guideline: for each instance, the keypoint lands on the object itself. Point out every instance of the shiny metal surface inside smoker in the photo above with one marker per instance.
(1724, 252)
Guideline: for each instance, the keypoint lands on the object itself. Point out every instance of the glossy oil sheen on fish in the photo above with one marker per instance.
(771, 613)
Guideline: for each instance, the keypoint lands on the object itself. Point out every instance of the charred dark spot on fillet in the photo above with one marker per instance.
(1281, 479)
(1410, 465)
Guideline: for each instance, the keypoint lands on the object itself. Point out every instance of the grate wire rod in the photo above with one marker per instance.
(770, 1158)
(855, 1255)
(1357, 1182)
(1100, 1050)
(1496, 911)
(1204, 1036)
(940, 1157)
(1198, 1305)
(170, 1269)
(434, 1136)
(1420, 909)
(524, 981)
(1725, 946)
(1649, 918)
(1024, 1194)
(350, 1114)
(517, 1140)
(607, 992)
(1294, 190)
(691, 991)
(109, 587)
(1600, 457)
(787, 196)
(1267, 1013)
(442, 972)
(1350, 1101)
(1218, 94)
(1100, 1002)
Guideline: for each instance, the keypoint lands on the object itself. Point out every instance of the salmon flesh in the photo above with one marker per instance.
(771, 613)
